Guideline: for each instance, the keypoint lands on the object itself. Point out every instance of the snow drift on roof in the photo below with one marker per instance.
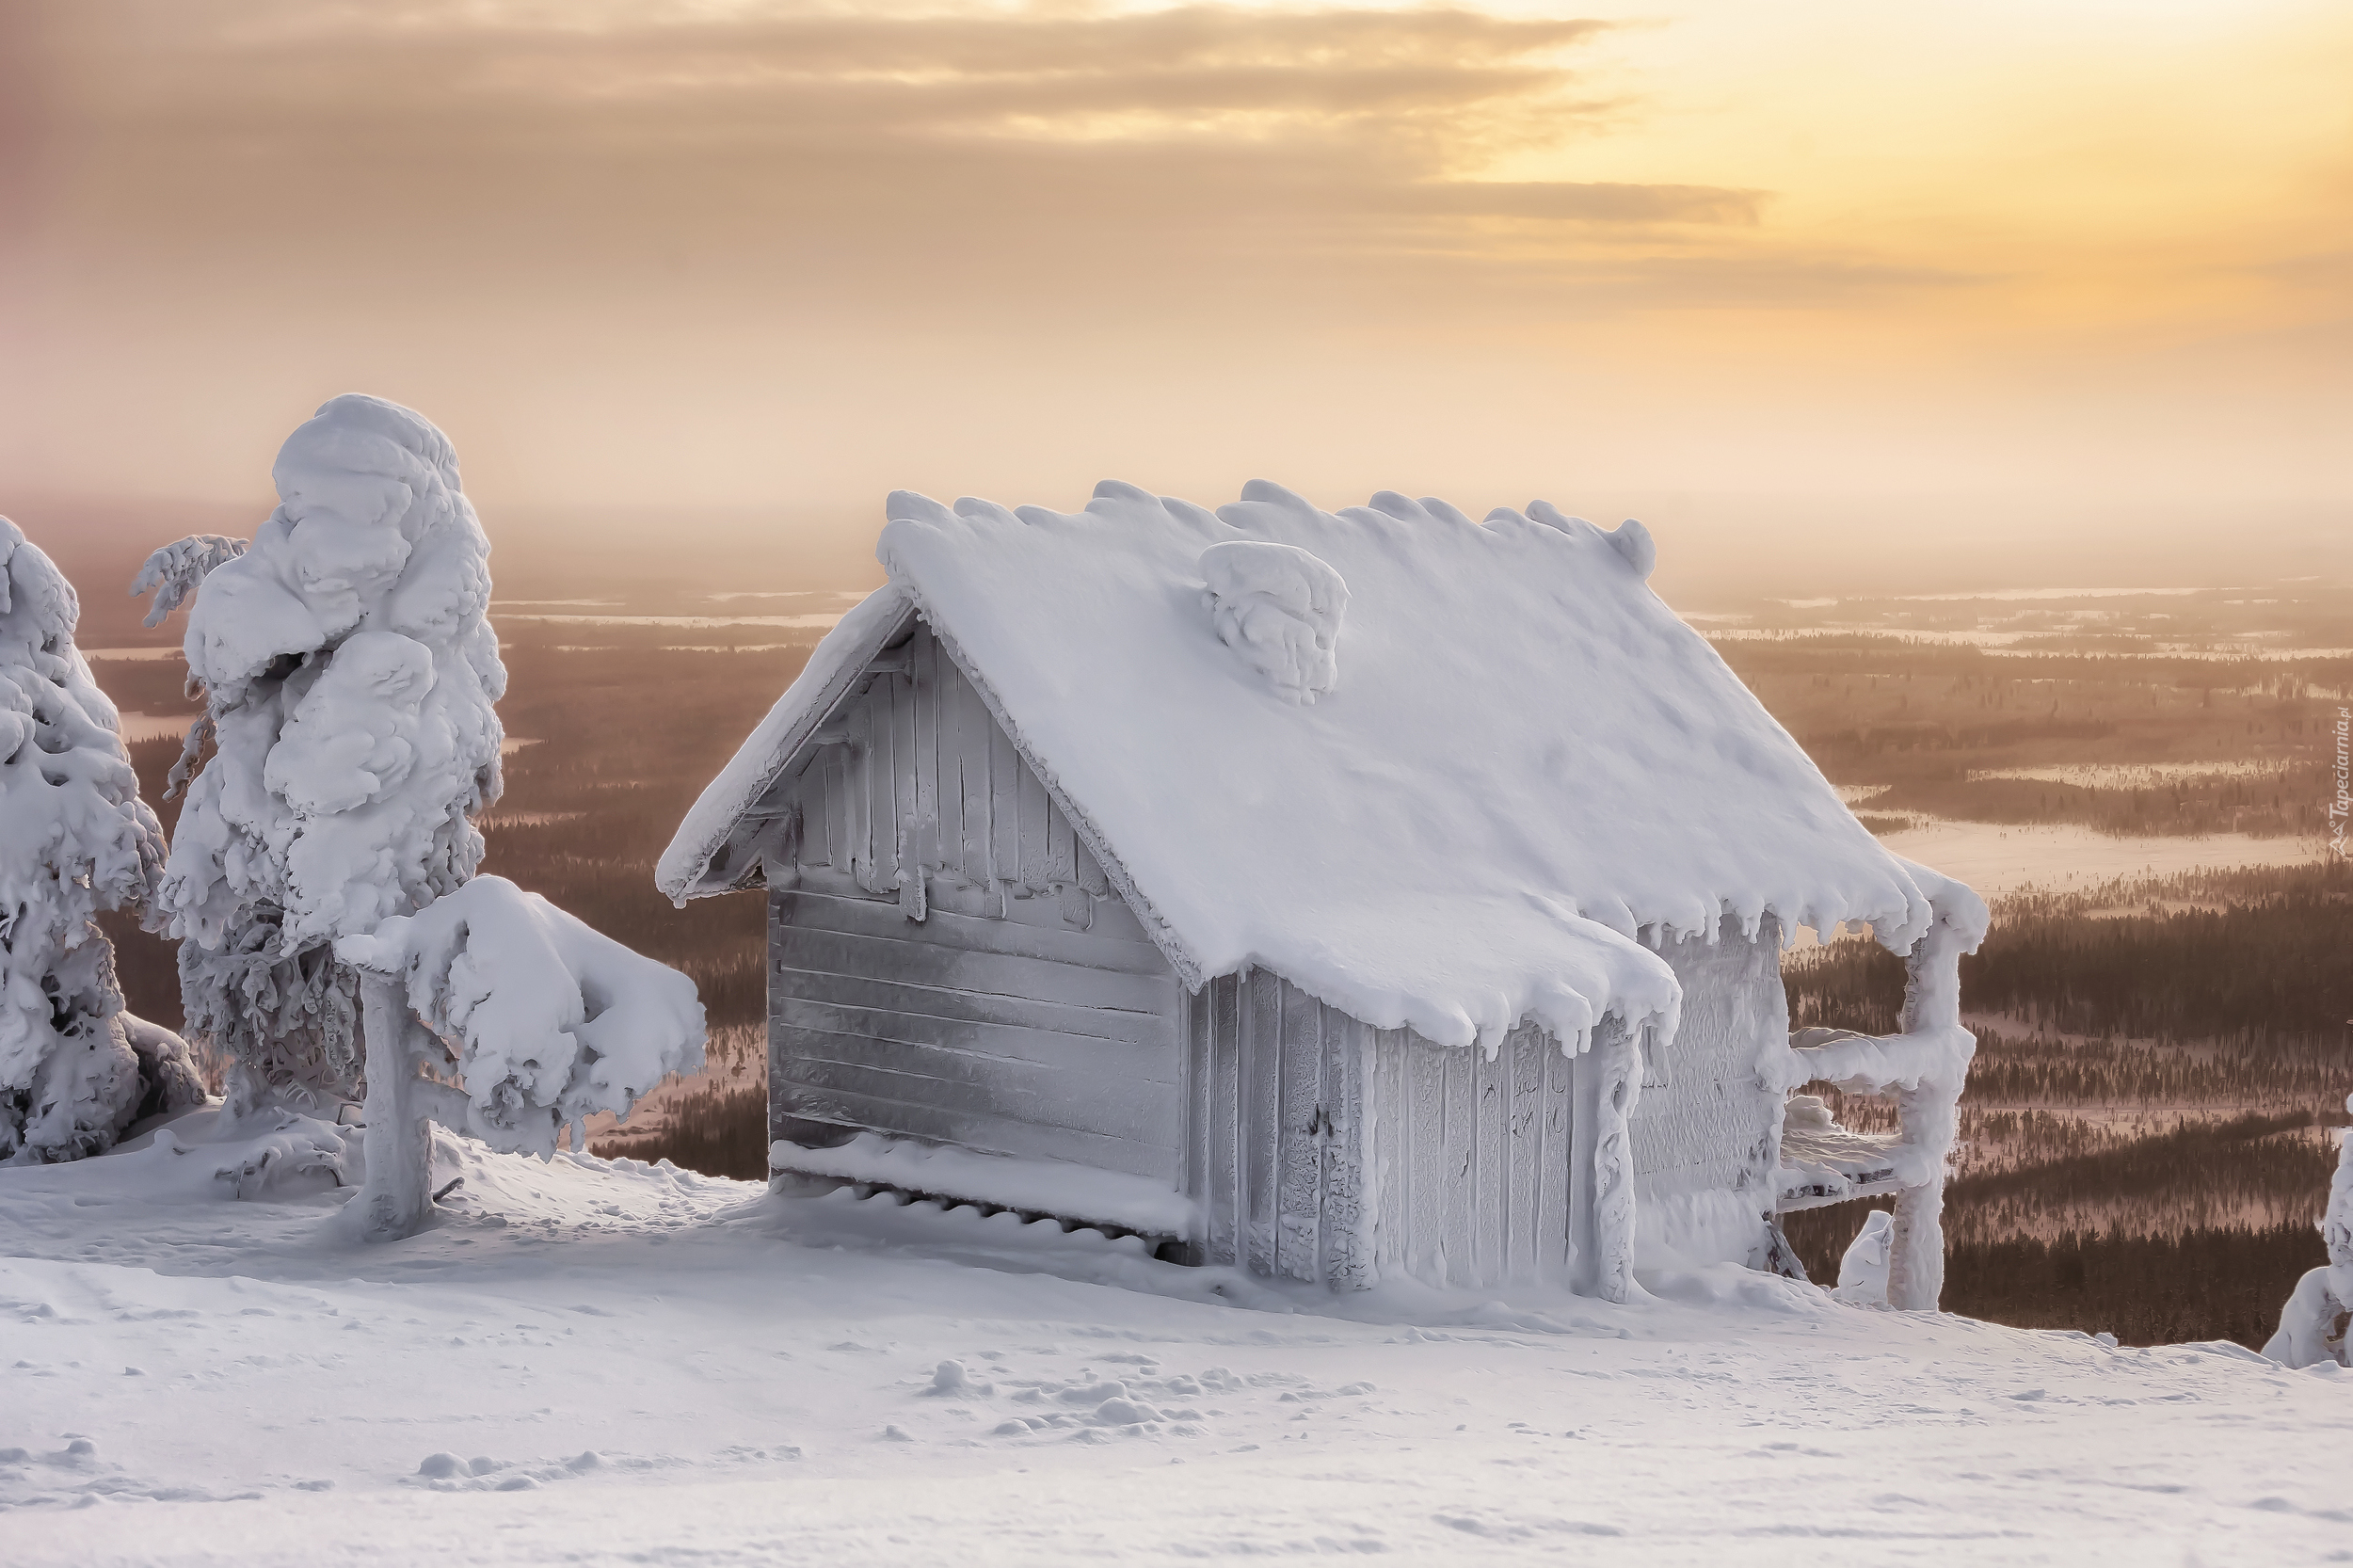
(1523, 759)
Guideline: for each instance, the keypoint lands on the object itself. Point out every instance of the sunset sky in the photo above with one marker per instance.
(2071, 279)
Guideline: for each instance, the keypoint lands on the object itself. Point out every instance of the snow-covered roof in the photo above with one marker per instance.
(1442, 775)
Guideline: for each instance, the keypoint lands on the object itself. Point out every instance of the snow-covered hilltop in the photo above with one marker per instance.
(600, 1363)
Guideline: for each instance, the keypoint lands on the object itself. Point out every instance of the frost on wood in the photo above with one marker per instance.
(541, 1021)
(75, 838)
(1281, 609)
(1922, 1068)
(2316, 1325)
(349, 677)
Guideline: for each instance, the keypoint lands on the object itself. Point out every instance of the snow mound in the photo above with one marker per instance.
(555, 1020)
(1280, 608)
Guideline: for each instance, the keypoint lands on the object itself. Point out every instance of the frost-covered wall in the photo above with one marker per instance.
(1278, 1116)
(946, 959)
(75, 838)
(1706, 1125)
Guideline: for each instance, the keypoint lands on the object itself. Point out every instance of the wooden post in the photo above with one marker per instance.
(396, 1199)
(1615, 1064)
(1928, 1116)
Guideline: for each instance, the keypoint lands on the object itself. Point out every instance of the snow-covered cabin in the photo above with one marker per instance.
(1342, 896)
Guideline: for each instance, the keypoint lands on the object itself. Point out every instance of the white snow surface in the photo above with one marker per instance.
(589, 1362)
(1526, 759)
(554, 1021)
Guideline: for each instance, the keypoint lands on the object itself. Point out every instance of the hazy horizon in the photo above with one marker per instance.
(2015, 296)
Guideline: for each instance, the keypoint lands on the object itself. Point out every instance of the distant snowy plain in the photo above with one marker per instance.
(593, 1362)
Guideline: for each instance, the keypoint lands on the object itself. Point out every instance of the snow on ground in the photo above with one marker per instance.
(594, 1362)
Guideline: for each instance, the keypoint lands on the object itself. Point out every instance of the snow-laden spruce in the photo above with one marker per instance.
(2314, 1324)
(349, 675)
(319, 879)
(75, 1069)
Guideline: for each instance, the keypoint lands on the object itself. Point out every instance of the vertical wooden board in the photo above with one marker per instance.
(1004, 794)
(1034, 862)
(1490, 1189)
(1425, 1097)
(1262, 1113)
(923, 747)
(905, 851)
(828, 771)
(1461, 1156)
(1523, 1162)
(980, 804)
(1301, 1117)
(1345, 1204)
(956, 784)
(1191, 1037)
(1061, 847)
(776, 1030)
(1391, 1154)
(1224, 1200)
(1552, 1167)
(874, 761)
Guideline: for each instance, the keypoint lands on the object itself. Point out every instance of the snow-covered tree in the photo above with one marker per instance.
(2314, 1326)
(541, 1021)
(319, 878)
(349, 674)
(75, 838)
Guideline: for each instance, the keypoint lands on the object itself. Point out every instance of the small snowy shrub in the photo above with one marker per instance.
(542, 1022)
(75, 838)
(2316, 1325)
(349, 675)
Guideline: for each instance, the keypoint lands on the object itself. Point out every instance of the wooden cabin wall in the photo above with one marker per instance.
(1478, 1159)
(1320, 1148)
(1703, 1122)
(912, 774)
(1277, 1114)
(1025, 1012)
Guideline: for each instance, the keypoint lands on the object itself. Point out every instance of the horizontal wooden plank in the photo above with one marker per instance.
(994, 1135)
(1127, 1061)
(1019, 1091)
(988, 974)
(936, 1001)
(967, 933)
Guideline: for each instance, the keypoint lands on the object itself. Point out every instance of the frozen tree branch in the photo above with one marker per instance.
(550, 1020)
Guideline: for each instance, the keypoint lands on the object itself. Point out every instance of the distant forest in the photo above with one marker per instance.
(2143, 1130)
